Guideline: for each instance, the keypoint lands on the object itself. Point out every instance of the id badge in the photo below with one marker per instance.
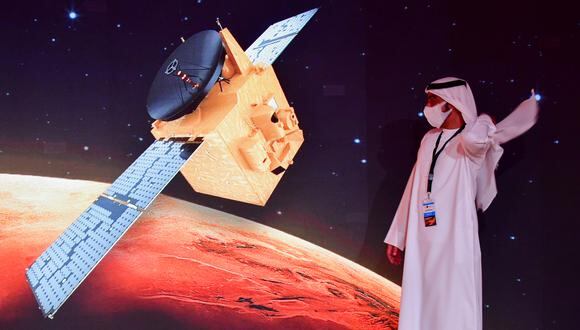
(429, 212)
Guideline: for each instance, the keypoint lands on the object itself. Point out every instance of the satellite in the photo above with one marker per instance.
(221, 119)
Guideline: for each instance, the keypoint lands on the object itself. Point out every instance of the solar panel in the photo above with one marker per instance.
(146, 177)
(275, 39)
(62, 267)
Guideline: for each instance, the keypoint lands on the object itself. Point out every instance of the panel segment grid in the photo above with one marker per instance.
(62, 267)
(148, 175)
(277, 37)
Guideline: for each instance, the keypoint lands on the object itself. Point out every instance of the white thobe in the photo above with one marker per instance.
(441, 288)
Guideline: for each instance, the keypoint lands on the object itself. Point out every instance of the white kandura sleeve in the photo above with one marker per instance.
(477, 138)
(398, 232)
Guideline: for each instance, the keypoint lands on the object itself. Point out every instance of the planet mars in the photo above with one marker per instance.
(182, 265)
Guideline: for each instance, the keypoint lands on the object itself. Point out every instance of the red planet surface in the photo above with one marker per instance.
(182, 265)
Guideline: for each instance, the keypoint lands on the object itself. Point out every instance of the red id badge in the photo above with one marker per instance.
(429, 212)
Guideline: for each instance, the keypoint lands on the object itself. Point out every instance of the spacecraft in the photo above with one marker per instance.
(221, 119)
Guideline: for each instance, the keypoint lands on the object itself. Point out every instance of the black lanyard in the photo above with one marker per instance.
(436, 155)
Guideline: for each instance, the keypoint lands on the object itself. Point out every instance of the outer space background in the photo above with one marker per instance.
(72, 104)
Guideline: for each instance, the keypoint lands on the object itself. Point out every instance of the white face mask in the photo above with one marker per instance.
(435, 116)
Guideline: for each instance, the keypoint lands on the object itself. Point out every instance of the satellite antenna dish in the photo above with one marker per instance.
(186, 76)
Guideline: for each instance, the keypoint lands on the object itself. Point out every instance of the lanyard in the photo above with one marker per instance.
(436, 155)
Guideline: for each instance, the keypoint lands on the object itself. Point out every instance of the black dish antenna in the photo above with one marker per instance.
(186, 76)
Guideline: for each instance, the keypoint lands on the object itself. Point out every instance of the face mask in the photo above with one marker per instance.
(434, 115)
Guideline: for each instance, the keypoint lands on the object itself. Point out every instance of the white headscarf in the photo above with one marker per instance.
(516, 123)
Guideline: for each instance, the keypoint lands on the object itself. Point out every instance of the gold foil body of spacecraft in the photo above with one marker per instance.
(249, 134)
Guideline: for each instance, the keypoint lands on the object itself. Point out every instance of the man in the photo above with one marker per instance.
(436, 221)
